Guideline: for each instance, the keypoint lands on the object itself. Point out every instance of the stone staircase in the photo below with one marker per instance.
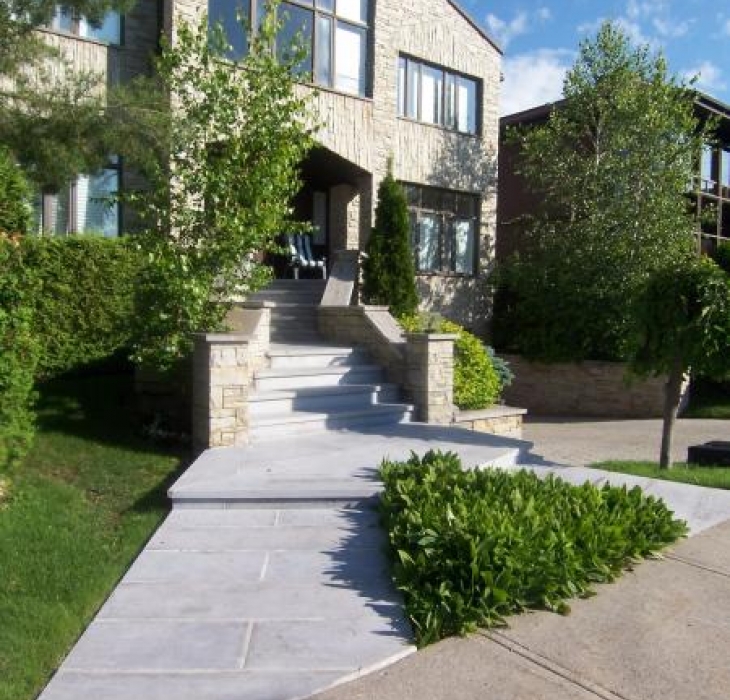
(309, 385)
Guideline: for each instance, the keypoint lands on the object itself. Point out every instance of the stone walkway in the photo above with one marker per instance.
(268, 581)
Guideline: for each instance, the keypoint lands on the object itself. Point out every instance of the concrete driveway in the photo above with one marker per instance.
(582, 442)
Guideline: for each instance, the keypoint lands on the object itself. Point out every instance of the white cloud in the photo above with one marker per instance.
(726, 27)
(521, 23)
(709, 76)
(506, 31)
(531, 79)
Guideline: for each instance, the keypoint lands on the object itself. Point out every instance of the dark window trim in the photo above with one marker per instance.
(253, 6)
(447, 216)
(446, 71)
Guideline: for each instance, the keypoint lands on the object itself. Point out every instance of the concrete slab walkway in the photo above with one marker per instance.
(268, 581)
(660, 633)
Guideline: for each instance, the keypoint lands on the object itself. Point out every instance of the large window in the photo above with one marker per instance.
(434, 95)
(109, 31)
(444, 229)
(335, 34)
(85, 206)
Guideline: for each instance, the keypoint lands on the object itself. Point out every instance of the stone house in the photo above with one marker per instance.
(417, 82)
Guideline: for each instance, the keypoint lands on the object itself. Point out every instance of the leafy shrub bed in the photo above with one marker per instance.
(471, 547)
(477, 382)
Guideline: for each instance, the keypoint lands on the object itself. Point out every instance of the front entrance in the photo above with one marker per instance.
(330, 201)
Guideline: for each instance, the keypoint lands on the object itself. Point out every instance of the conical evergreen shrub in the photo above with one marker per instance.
(389, 273)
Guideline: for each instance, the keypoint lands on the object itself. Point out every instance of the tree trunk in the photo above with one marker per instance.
(672, 397)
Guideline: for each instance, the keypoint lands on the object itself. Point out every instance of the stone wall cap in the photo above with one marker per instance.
(491, 412)
(432, 336)
(224, 338)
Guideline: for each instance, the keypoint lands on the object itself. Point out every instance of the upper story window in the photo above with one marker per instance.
(335, 33)
(435, 95)
(109, 31)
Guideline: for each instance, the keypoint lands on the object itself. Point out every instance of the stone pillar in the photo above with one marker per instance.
(220, 390)
(430, 376)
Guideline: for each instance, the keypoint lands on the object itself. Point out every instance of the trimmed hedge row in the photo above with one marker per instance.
(19, 350)
(84, 308)
(64, 302)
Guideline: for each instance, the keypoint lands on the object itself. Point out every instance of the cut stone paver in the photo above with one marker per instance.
(268, 581)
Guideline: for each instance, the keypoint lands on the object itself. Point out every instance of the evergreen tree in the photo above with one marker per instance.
(389, 272)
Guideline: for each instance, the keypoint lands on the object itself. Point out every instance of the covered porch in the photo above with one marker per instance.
(336, 199)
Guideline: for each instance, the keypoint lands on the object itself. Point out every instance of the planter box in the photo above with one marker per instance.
(497, 420)
(590, 389)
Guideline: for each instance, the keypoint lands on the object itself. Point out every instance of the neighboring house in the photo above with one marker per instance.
(118, 50)
(414, 81)
(710, 189)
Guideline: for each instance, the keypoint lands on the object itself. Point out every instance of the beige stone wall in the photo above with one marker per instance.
(598, 389)
(221, 377)
(499, 420)
(430, 376)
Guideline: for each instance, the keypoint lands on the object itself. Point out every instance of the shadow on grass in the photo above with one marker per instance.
(98, 404)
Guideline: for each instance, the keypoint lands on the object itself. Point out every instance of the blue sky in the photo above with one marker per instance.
(540, 38)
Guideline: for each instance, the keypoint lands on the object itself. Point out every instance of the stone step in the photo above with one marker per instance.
(288, 379)
(295, 335)
(297, 356)
(320, 399)
(299, 422)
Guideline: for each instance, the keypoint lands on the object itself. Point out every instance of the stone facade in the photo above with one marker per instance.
(221, 378)
(430, 376)
(366, 132)
(595, 389)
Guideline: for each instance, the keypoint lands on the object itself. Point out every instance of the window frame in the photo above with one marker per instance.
(402, 100)
(335, 20)
(75, 30)
(446, 218)
(45, 210)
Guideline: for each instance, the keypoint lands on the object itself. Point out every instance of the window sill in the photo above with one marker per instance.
(440, 128)
(335, 91)
(448, 275)
(77, 37)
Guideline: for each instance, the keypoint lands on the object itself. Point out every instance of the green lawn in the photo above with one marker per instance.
(715, 477)
(87, 499)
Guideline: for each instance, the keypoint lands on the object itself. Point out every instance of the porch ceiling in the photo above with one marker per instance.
(323, 169)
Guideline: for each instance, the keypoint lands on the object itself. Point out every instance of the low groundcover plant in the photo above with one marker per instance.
(473, 546)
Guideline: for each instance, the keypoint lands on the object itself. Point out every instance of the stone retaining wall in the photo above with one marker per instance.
(497, 420)
(591, 389)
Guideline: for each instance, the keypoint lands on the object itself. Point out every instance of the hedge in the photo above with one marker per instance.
(85, 303)
(19, 352)
(64, 302)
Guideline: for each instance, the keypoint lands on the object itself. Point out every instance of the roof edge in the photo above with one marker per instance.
(476, 25)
